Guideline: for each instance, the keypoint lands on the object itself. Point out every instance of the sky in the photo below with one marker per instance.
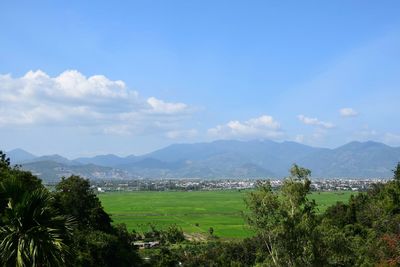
(82, 78)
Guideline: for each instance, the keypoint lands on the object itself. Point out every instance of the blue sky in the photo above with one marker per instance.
(130, 77)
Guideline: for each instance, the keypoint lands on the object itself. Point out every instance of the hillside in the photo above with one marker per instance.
(224, 159)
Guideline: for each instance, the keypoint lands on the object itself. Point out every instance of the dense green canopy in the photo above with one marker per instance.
(67, 227)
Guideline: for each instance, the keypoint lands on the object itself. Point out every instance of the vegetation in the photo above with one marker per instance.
(69, 227)
(363, 232)
(286, 223)
(65, 228)
(194, 211)
(32, 233)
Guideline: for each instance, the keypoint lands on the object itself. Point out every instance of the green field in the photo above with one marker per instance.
(194, 211)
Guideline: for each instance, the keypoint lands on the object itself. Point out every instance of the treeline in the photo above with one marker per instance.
(69, 227)
(290, 231)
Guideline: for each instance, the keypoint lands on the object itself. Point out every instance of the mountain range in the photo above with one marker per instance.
(222, 159)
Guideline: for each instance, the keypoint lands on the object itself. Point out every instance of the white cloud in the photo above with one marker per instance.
(348, 112)
(299, 138)
(261, 127)
(159, 106)
(316, 138)
(392, 139)
(315, 122)
(264, 121)
(73, 99)
(367, 134)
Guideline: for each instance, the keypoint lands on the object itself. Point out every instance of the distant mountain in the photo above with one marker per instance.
(18, 156)
(229, 159)
(55, 158)
(355, 159)
(109, 160)
(51, 171)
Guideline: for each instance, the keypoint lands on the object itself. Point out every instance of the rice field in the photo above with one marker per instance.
(194, 211)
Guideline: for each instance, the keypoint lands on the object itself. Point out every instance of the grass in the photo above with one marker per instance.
(194, 211)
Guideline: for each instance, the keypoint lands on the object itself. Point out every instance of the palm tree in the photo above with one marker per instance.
(32, 233)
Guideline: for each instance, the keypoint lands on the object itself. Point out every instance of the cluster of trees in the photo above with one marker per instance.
(290, 231)
(67, 227)
(172, 235)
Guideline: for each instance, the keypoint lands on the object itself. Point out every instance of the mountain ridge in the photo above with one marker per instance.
(230, 159)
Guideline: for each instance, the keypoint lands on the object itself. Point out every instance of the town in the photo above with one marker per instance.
(101, 186)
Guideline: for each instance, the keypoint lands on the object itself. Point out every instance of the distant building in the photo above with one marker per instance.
(143, 245)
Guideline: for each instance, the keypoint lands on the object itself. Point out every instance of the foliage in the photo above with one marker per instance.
(362, 232)
(97, 248)
(96, 241)
(219, 209)
(396, 172)
(74, 196)
(211, 231)
(369, 224)
(286, 223)
(65, 228)
(172, 235)
(4, 161)
(70, 227)
(10, 174)
(32, 232)
(246, 252)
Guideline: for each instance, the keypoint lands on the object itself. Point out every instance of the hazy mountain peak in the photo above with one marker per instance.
(19, 150)
(19, 155)
(363, 145)
(55, 158)
(234, 159)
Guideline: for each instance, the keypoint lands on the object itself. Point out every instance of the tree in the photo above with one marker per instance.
(32, 233)
(211, 231)
(97, 248)
(367, 227)
(396, 173)
(265, 216)
(74, 196)
(96, 241)
(8, 174)
(286, 223)
(295, 189)
(173, 234)
(4, 161)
